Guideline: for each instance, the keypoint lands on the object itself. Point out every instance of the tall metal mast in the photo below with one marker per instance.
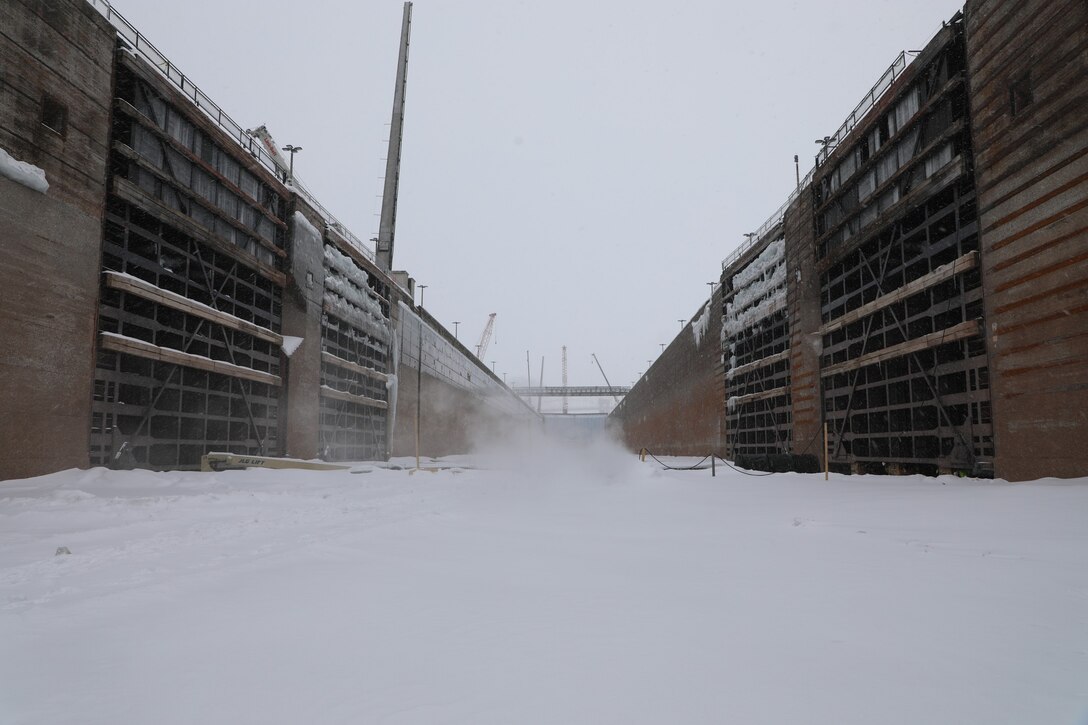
(388, 223)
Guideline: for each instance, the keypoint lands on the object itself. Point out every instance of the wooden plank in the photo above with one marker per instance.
(175, 301)
(763, 395)
(962, 331)
(354, 367)
(328, 392)
(139, 348)
(133, 194)
(761, 363)
(944, 272)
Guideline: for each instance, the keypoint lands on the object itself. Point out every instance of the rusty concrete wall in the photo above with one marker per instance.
(677, 408)
(57, 61)
(803, 307)
(1028, 74)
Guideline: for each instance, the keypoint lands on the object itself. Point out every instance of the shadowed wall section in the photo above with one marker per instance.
(54, 114)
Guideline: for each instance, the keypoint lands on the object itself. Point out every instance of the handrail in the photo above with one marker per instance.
(886, 81)
(875, 93)
(233, 129)
(772, 221)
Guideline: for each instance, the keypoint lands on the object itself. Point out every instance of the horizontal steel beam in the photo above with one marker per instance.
(558, 391)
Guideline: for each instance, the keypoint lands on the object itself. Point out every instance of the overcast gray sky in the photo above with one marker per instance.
(579, 168)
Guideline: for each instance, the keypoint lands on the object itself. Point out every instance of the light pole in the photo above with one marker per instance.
(421, 288)
(292, 150)
(682, 323)
(455, 324)
(712, 289)
(662, 346)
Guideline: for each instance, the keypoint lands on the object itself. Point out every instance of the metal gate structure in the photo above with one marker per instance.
(188, 350)
(905, 378)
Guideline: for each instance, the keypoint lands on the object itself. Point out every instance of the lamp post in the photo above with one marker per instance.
(292, 150)
(682, 323)
(421, 288)
(455, 324)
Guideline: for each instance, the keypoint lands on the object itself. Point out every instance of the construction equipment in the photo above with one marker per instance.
(614, 396)
(485, 338)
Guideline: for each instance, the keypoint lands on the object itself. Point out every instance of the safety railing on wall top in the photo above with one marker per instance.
(143, 47)
(887, 80)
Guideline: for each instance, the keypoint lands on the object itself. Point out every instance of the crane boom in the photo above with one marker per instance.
(603, 375)
(388, 220)
(485, 338)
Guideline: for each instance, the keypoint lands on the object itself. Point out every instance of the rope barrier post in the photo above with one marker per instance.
(713, 466)
(827, 463)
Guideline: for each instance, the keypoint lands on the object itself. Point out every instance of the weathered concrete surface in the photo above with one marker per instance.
(452, 418)
(50, 244)
(302, 301)
(677, 408)
(1028, 74)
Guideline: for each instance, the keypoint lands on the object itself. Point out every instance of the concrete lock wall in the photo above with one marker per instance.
(458, 402)
(54, 114)
(675, 408)
(937, 317)
(152, 296)
(1028, 71)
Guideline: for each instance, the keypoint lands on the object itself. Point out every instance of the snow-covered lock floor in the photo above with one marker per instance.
(574, 586)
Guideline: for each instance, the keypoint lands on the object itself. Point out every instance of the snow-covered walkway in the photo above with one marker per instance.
(574, 586)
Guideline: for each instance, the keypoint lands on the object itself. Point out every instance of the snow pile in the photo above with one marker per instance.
(552, 586)
(23, 173)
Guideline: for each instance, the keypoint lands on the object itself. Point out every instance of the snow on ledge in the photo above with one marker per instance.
(23, 173)
(290, 344)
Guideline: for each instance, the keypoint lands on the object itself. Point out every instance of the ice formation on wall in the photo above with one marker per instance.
(700, 323)
(348, 294)
(759, 291)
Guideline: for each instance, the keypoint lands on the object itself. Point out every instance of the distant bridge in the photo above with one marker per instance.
(585, 391)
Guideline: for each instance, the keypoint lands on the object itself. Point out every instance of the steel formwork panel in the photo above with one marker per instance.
(192, 363)
(898, 238)
(756, 341)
